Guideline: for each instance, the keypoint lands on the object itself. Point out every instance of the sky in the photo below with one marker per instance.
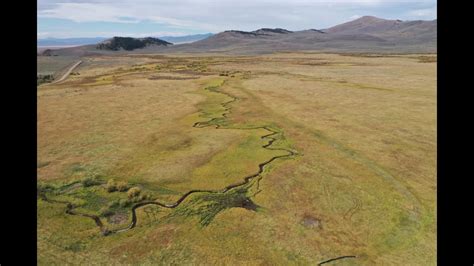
(141, 18)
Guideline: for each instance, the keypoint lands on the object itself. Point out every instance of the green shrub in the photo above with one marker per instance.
(90, 181)
(133, 192)
(111, 185)
(40, 79)
(122, 186)
(144, 197)
(44, 187)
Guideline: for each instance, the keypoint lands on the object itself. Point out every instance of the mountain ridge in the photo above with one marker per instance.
(365, 34)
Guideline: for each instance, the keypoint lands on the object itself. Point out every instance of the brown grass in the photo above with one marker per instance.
(364, 185)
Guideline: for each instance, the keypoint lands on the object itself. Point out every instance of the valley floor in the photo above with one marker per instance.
(290, 158)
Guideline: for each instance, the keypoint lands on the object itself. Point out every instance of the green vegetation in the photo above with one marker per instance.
(120, 186)
(207, 206)
(133, 192)
(113, 186)
(40, 79)
(91, 181)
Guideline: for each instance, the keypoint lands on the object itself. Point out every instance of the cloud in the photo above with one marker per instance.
(92, 34)
(42, 34)
(117, 13)
(214, 16)
(424, 13)
(355, 17)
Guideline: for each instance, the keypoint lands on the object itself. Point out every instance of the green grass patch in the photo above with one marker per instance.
(206, 206)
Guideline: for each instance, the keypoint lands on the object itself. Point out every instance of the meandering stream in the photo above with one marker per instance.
(261, 167)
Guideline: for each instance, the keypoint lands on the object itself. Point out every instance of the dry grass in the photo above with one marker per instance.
(53, 64)
(364, 185)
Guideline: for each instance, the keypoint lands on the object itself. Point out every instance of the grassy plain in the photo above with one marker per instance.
(363, 183)
(51, 65)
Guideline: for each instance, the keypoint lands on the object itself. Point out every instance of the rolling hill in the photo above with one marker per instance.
(364, 34)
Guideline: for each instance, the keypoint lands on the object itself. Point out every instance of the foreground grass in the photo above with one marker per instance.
(364, 184)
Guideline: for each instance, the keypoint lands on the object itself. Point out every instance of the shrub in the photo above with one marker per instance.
(90, 181)
(74, 247)
(44, 187)
(44, 79)
(122, 186)
(111, 185)
(143, 197)
(133, 192)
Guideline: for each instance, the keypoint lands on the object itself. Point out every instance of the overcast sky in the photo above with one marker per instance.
(139, 18)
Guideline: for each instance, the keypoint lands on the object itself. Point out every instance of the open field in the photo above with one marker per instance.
(53, 64)
(290, 158)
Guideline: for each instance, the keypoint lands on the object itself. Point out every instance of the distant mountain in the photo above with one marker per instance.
(129, 43)
(269, 31)
(387, 28)
(55, 42)
(109, 46)
(366, 34)
(414, 32)
(186, 39)
(366, 24)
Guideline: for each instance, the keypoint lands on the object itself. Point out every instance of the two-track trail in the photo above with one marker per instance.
(66, 74)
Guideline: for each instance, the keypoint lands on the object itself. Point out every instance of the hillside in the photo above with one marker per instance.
(129, 43)
(110, 46)
(366, 34)
(186, 38)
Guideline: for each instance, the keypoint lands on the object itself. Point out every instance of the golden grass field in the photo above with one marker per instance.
(363, 181)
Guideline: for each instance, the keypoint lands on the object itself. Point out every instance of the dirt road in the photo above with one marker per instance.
(67, 72)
